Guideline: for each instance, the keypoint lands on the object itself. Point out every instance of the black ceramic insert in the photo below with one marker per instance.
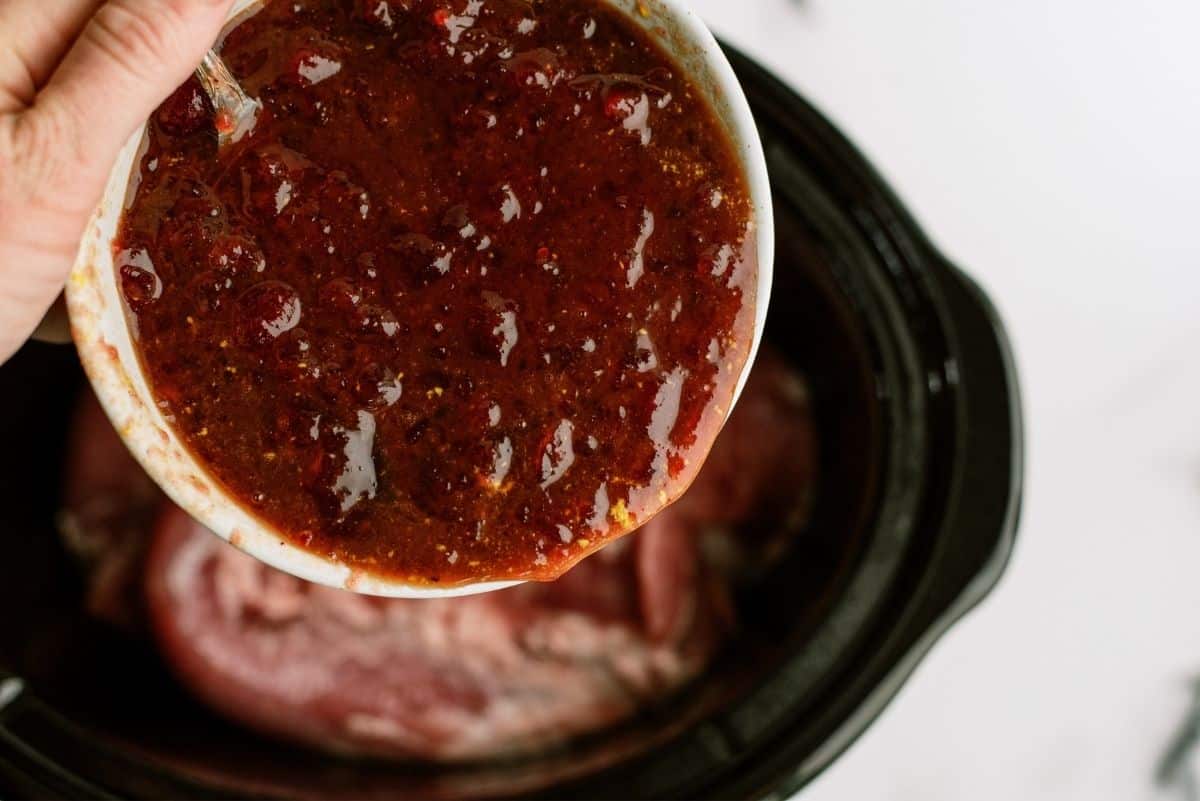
(921, 460)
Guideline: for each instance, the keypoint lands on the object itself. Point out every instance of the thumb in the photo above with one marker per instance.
(56, 155)
(129, 57)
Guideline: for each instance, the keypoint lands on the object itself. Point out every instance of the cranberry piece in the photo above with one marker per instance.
(140, 285)
(457, 217)
(296, 62)
(271, 180)
(185, 244)
(377, 320)
(539, 68)
(377, 387)
(246, 62)
(236, 255)
(293, 355)
(367, 269)
(186, 111)
(211, 290)
(377, 13)
(427, 257)
(621, 102)
(586, 25)
(265, 311)
(341, 294)
(475, 120)
(675, 463)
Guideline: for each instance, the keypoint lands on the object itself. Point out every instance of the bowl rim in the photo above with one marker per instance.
(103, 336)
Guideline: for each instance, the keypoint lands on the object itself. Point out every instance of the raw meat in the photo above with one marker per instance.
(452, 679)
(109, 505)
(456, 679)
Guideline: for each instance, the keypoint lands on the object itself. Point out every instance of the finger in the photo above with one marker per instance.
(30, 279)
(36, 34)
(130, 55)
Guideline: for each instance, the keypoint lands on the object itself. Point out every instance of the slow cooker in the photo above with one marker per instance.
(918, 410)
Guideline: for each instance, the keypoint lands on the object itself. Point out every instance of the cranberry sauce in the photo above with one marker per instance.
(472, 299)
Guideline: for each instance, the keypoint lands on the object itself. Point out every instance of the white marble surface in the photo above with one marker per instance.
(1052, 147)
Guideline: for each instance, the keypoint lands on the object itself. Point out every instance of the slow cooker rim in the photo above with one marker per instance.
(939, 279)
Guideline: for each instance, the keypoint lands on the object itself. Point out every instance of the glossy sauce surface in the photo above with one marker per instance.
(470, 302)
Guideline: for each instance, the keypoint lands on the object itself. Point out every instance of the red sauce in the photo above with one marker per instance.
(472, 299)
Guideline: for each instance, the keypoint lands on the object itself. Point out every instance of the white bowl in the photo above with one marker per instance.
(107, 351)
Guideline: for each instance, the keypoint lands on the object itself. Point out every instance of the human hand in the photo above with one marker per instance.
(76, 79)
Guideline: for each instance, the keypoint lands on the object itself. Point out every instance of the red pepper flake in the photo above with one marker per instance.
(440, 17)
(620, 102)
(224, 122)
